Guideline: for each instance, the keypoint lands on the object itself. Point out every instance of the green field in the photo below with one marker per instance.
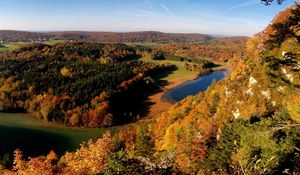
(15, 45)
(35, 137)
(11, 46)
(145, 44)
(179, 72)
(52, 42)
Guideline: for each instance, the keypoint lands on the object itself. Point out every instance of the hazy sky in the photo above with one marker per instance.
(230, 17)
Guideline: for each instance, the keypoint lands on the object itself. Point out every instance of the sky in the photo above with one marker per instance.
(224, 17)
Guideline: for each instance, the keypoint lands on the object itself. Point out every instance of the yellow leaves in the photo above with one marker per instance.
(184, 163)
(65, 72)
(9, 85)
(205, 126)
(48, 105)
(98, 99)
(34, 166)
(182, 130)
(170, 138)
(51, 156)
(90, 158)
(130, 135)
(74, 119)
(18, 161)
(106, 60)
(202, 109)
(31, 89)
(293, 106)
(98, 115)
(251, 43)
(41, 106)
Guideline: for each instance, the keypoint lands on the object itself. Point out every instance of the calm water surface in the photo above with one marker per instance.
(193, 87)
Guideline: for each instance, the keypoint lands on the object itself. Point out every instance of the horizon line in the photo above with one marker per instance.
(133, 31)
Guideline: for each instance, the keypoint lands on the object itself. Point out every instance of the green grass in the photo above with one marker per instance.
(179, 72)
(15, 45)
(145, 44)
(11, 46)
(52, 42)
(35, 137)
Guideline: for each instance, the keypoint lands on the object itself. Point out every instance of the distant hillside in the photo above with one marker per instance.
(217, 49)
(22, 36)
(147, 36)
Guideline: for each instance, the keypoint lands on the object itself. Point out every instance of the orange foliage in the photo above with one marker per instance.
(90, 158)
(129, 136)
(34, 166)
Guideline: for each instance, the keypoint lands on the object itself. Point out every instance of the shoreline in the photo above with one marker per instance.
(157, 108)
(168, 99)
(160, 105)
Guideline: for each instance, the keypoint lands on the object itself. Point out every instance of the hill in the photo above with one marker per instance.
(104, 37)
(248, 123)
(7, 36)
(87, 81)
(218, 49)
(147, 36)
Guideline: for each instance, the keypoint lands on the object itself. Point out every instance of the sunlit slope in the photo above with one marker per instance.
(242, 123)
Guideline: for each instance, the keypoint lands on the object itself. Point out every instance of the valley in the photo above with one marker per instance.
(77, 100)
(22, 126)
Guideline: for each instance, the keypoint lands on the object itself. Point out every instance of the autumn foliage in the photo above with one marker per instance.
(65, 83)
(247, 123)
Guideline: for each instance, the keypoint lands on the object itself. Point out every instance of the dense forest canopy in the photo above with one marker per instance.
(22, 36)
(219, 50)
(150, 36)
(16, 36)
(71, 50)
(70, 83)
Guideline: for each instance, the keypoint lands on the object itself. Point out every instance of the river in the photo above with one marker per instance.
(193, 87)
(35, 137)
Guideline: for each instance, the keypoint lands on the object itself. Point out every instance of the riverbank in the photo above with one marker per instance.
(36, 137)
(159, 105)
(194, 86)
(160, 102)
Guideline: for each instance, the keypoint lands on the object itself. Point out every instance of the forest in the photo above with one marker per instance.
(70, 50)
(22, 36)
(218, 50)
(89, 81)
(71, 83)
(107, 37)
(112, 37)
(248, 123)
